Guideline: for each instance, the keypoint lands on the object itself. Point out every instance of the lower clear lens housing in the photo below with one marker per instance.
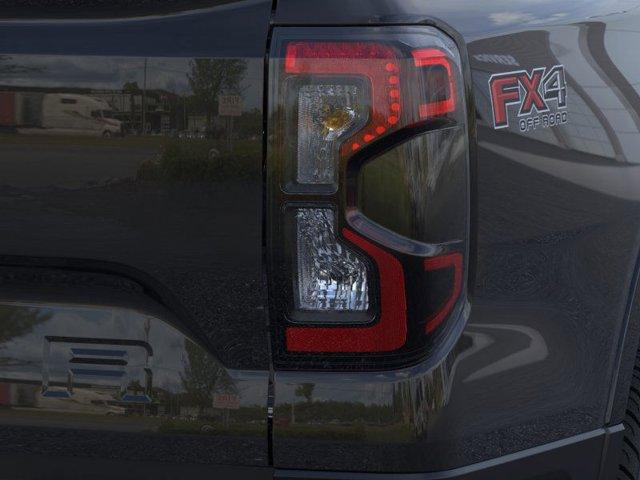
(330, 276)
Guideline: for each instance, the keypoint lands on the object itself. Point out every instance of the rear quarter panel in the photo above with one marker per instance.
(557, 224)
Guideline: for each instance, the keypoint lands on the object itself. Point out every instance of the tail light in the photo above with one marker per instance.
(368, 196)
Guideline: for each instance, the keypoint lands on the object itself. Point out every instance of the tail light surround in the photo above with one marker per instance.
(368, 196)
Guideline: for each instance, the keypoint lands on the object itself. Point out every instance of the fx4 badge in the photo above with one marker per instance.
(540, 96)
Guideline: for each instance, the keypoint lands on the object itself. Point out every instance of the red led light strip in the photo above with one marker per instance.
(378, 62)
(427, 57)
(438, 263)
(388, 334)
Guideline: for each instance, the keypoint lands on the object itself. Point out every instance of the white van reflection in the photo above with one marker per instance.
(58, 114)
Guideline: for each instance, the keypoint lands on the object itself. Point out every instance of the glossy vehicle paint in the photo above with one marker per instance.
(554, 264)
(170, 226)
(104, 237)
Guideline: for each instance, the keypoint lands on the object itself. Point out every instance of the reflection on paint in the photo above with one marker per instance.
(84, 364)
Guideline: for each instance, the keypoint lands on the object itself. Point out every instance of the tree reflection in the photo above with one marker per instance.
(305, 390)
(211, 77)
(203, 377)
(131, 89)
(17, 321)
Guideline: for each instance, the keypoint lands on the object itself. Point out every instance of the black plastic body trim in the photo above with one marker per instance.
(30, 466)
(575, 458)
(572, 458)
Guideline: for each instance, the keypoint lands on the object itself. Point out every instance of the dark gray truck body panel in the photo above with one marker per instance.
(541, 372)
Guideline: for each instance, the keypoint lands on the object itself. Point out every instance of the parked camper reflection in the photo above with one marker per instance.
(57, 114)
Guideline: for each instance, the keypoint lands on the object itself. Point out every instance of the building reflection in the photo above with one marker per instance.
(187, 98)
(170, 119)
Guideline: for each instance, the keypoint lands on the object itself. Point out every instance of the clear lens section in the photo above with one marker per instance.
(330, 277)
(325, 114)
